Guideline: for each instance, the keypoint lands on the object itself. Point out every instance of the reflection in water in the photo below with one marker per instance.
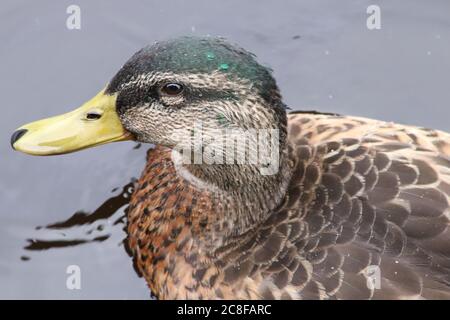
(105, 211)
(48, 244)
(80, 218)
(100, 227)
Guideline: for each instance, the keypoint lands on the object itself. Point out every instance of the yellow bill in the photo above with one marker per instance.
(96, 122)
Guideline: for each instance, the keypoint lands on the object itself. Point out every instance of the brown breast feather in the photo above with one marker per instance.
(364, 194)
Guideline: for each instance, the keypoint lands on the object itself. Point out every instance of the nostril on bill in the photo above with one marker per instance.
(93, 115)
(17, 135)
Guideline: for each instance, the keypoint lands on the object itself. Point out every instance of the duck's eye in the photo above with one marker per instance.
(172, 89)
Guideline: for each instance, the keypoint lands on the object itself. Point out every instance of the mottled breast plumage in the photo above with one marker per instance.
(365, 216)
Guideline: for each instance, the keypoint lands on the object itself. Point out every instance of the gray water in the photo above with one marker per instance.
(323, 57)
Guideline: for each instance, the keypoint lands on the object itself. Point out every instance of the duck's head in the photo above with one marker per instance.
(166, 88)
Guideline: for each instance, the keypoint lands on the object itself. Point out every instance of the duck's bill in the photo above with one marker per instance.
(96, 122)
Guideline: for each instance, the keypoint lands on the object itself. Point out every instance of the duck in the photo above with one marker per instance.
(342, 207)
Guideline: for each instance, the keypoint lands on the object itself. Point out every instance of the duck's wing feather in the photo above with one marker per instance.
(380, 207)
(366, 215)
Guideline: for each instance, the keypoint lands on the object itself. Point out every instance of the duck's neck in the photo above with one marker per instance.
(243, 195)
(181, 218)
